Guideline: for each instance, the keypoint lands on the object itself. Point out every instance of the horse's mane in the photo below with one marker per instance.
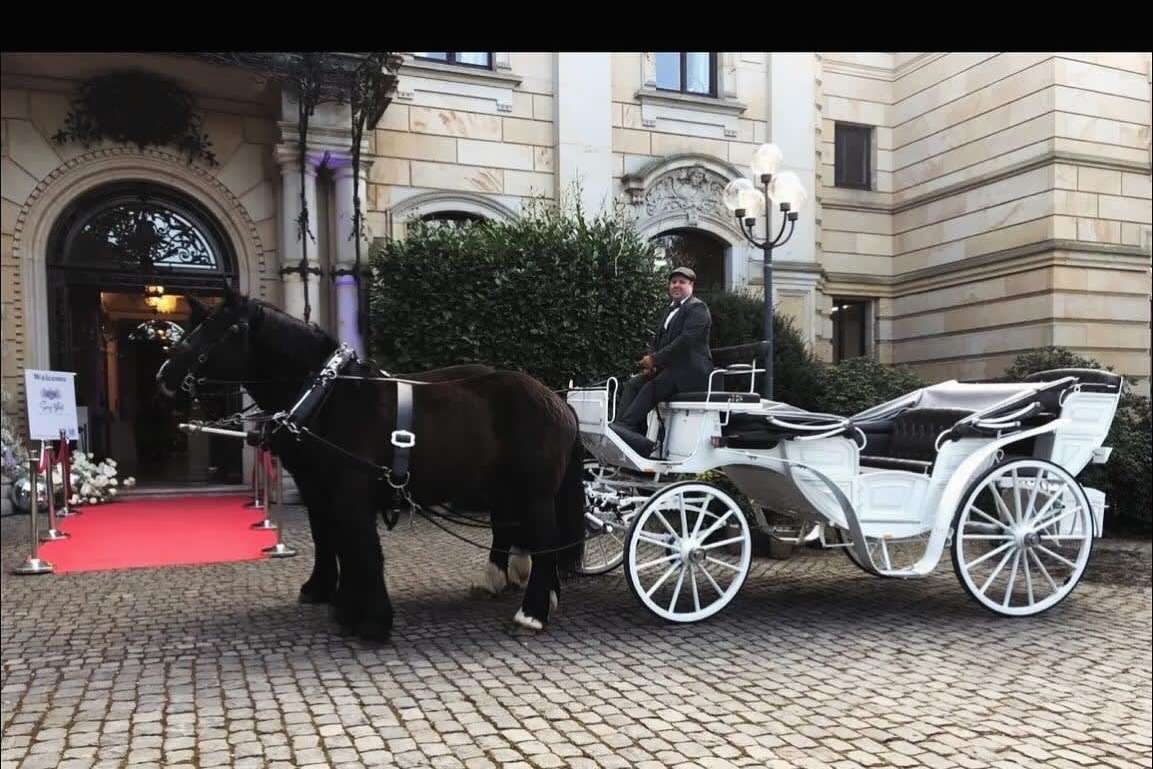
(291, 338)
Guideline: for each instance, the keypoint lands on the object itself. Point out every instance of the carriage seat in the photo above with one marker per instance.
(908, 440)
(750, 431)
(1091, 380)
(717, 397)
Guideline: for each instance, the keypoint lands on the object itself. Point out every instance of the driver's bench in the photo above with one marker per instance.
(733, 380)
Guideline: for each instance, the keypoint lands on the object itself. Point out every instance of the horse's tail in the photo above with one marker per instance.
(570, 511)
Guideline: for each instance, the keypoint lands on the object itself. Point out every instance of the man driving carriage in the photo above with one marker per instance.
(678, 360)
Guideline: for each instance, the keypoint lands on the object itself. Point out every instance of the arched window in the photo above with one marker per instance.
(452, 218)
(140, 233)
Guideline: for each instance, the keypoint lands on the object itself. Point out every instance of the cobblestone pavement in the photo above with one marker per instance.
(814, 665)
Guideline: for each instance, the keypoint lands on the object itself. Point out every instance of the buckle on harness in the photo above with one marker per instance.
(403, 439)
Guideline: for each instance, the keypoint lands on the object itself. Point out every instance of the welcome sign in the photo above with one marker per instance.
(51, 399)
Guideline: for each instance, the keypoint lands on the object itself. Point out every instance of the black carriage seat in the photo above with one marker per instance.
(908, 441)
(750, 431)
(754, 431)
(716, 397)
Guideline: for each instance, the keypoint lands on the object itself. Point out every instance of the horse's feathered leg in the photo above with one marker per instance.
(494, 578)
(321, 586)
(365, 605)
(538, 596)
(519, 567)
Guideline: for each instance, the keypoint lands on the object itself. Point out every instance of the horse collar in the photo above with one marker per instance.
(307, 403)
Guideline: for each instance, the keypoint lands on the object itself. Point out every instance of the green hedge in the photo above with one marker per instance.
(550, 294)
(1127, 477)
(856, 384)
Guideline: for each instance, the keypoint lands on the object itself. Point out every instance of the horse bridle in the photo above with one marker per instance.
(188, 383)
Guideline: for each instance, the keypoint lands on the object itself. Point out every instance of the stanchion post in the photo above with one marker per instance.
(279, 550)
(259, 481)
(49, 464)
(263, 482)
(66, 475)
(33, 564)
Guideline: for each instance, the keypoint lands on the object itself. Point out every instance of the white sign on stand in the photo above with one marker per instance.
(51, 404)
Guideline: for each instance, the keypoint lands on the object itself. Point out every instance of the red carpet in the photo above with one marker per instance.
(157, 532)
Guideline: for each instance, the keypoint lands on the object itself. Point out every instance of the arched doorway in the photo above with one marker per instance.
(121, 259)
(700, 250)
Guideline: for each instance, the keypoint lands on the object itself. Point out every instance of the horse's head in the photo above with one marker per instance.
(218, 347)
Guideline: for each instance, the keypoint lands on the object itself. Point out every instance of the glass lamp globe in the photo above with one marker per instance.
(786, 189)
(766, 160)
(732, 194)
(753, 202)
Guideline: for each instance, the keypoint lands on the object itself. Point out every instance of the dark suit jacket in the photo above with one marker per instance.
(683, 348)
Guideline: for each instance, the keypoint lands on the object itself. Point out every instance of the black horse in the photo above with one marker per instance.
(498, 441)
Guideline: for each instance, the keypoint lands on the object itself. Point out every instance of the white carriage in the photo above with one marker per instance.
(987, 470)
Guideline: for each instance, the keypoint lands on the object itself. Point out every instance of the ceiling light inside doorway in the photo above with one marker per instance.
(155, 298)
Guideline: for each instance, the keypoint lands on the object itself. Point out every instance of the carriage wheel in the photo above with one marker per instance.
(605, 525)
(688, 552)
(1022, 537)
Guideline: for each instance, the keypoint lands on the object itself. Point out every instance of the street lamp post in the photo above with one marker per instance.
(748, 204)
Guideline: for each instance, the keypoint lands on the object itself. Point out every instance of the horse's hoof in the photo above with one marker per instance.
(315, 595)
(377, 631)
(519, 567)
(341, 615)
(526, 621)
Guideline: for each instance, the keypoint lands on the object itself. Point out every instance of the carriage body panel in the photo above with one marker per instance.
(1089, 416)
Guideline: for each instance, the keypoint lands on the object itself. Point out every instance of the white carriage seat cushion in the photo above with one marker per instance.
(969, 397)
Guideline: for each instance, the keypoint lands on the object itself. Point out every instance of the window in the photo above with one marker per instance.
(687, 72)
(481, 60)
(451, 219)
(852, 162)
(850, 322)
(139, 230)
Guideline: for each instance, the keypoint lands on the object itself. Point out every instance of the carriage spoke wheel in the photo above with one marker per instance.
(1022, 537)
(605, 526)
(688, 552)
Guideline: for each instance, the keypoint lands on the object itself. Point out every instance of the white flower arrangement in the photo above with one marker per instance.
(14, 454)
(95, 481)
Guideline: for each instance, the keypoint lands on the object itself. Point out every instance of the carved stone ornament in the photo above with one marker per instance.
(695, 191)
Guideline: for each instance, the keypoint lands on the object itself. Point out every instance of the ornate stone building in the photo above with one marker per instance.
(963, 207)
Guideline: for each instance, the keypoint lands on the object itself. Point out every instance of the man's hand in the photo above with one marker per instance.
(647, 364)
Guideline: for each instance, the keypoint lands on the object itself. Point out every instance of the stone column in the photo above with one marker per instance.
(792, 112)
(346, 181)
(584, 133)
(291, 245)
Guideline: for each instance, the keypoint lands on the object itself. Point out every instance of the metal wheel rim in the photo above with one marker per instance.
(681, 567)
(1020, 546)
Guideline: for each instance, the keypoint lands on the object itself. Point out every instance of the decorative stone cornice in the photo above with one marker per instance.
(853, 200)
(1046, 253)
